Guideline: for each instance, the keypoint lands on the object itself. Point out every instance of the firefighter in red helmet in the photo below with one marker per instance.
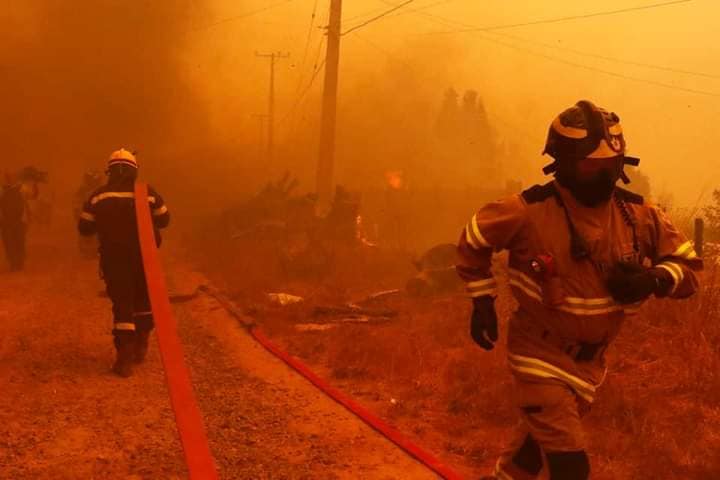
(584, 254)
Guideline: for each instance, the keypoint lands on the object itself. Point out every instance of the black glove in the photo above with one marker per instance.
(631, 282)
(483, 323)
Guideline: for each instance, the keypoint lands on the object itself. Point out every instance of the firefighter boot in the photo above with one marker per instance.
(140, 346)
(125, 352)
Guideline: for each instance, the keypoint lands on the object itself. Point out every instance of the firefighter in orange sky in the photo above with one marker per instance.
(13, 221)
(583, 255)
(109, 212)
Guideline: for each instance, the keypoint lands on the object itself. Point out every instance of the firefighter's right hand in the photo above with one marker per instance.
(483, 323)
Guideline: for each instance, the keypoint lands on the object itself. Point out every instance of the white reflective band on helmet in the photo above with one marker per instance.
(123, 157)
(125, 326)
(604, 150)
(87, 216)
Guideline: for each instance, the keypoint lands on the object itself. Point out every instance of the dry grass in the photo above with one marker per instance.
(658, 415)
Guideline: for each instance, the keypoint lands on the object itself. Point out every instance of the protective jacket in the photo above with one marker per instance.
(110, 212)
(565, 317)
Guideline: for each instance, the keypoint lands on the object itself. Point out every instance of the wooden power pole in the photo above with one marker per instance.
(271, 104)
(324, 180)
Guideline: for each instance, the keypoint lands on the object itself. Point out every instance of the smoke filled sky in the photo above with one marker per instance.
(201, 85)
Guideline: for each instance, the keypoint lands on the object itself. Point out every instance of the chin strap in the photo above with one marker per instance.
(632, 161)
(550, 168)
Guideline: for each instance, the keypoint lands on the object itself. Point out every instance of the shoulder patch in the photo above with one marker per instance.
(628, 196)
(538, 193)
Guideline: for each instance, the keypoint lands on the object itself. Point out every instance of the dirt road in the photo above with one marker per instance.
(63, 415)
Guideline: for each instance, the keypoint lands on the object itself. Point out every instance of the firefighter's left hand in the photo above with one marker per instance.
(630, 282)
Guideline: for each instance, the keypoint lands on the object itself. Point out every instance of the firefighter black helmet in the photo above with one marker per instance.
(585, 131)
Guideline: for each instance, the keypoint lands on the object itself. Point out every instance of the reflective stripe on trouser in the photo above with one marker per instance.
(551, 412)
(125, 282)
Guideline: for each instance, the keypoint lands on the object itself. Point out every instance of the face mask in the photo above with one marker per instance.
(591, 192)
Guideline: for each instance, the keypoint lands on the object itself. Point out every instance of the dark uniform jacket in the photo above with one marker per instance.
(110, 212)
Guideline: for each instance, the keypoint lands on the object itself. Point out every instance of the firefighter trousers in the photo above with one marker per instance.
(125, 283)
(551, 422)
(13, 237)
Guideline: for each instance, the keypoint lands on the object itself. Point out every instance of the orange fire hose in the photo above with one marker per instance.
(198, 458)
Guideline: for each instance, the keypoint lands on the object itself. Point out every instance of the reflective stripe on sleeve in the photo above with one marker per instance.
(480, 288)
(473, 235)
(686, 251)
(675, 271)
(539, 368)
(124, 326)
(87, 216)
(160, 211)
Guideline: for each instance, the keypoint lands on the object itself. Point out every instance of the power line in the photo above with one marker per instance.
(610, 59)
(600, 70)
(418, 9)
(447, 21)
(242, 15)
(385, 51)
(310, 84)
(413, 68)
(561, 19)
(317, 68)
(309, 34)
(578, 65)
(378, 17)
(306, 48)
(379, 10)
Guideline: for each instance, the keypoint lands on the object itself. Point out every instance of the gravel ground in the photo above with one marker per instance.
(63, 415)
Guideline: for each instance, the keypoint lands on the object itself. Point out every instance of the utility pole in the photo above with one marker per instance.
(324, 180)
(262, 121)
(271, 103)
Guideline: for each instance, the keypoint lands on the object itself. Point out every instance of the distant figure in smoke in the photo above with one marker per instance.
(13, 221)
(584, 254)
(110, 212)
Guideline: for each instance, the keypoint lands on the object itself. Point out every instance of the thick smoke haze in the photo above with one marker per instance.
(181, 82)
